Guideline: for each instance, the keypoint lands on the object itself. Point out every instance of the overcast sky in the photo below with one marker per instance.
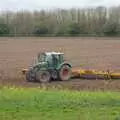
(45, 4)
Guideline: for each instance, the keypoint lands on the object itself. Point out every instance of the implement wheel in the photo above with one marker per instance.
(43, 76)
(65, 73)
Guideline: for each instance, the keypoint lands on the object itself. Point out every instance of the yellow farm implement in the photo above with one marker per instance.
(90, 74)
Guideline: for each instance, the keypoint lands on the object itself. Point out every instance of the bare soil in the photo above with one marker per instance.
(89, 53)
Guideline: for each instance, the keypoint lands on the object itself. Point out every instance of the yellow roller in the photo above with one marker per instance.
(82, 73)
(115, 75)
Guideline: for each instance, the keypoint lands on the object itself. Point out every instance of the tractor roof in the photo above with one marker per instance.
(54, 53)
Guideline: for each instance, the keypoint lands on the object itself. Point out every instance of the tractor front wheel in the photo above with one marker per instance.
(43, 76)
(29, 77)
(65, 73)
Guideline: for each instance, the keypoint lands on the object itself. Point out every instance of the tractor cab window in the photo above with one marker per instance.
(61, 58)
(42, 58)
(55, 59)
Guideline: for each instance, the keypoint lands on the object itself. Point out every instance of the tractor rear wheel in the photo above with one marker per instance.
(43, 76)
(65, 73)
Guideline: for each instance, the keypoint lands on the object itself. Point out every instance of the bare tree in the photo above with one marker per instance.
(91, 20)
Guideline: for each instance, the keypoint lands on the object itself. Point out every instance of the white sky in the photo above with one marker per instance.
(46, 4)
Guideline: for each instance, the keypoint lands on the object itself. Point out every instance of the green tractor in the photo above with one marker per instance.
(49, 66)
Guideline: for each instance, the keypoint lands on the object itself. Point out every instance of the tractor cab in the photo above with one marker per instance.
(53, 59)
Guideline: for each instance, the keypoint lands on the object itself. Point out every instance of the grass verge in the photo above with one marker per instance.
(41, 104)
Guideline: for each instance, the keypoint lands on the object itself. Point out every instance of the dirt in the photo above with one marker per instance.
(94, 53)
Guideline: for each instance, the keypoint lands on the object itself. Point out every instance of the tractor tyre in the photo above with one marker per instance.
(65, 73)
(29, 77)
(43, 76)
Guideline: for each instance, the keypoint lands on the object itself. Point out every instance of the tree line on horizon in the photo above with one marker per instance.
(99, 21)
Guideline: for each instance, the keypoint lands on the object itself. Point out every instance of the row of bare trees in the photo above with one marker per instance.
(99, 21)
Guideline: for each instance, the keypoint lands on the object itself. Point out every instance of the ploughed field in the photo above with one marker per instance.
(89, 53)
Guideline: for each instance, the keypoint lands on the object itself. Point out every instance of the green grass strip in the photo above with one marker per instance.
(42, 104)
